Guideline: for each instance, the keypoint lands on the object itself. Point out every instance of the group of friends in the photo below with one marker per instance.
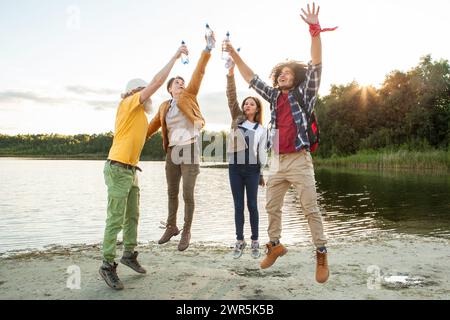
(292, 97)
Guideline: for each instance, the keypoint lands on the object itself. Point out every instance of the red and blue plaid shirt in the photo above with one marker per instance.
(308, 93)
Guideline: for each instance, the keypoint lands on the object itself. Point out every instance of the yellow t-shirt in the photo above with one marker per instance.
(131, 131)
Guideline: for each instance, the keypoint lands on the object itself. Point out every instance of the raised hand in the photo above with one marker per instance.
(182, 50)
(229, 48)
(311, 17)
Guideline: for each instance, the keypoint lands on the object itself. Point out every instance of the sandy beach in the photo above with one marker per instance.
(409, 268)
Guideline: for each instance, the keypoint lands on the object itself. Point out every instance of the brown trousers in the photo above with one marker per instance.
(182, 162)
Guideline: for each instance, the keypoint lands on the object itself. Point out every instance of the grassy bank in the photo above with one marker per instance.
(435, 160)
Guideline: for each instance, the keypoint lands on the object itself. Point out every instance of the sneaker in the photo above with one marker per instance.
(273, 252)
(130, 260)
(184, 241)
(255, 250)
(171, 231)
(238, 249)
(109, 274)
(322, 272)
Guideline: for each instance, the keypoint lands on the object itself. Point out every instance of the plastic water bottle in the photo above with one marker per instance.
(230, 60)
(184, 58)
(209, 39)
(225, 54)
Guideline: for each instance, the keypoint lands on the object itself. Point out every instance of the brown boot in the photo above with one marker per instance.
(184, 241)
(322, 272)
(273, 252)
(171, 231)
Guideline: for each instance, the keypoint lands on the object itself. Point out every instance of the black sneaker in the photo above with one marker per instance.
(109, 274)
(130, 260)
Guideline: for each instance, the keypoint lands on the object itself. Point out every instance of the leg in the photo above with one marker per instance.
(237, 189)
(119, 182)
(189, 173)
(277, 186)
(130, 229)
(130, 226)
(305, 183)
(251, 186)
(173, 177)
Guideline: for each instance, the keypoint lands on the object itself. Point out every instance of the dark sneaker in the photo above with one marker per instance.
(185, 239)
(171, 231)
(322, 271)
(255, 250)
(238, 249)
(109, 274)
(130, 260)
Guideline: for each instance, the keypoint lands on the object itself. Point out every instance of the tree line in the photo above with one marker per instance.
(411, 110)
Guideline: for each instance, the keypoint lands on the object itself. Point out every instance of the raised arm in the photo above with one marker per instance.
(316, 50)
(244, 69)
(249, 76)
(312, 19)
(199, 72)
(161, 76)
(233, 103)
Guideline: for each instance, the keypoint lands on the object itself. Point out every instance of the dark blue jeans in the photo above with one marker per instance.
(245, 178)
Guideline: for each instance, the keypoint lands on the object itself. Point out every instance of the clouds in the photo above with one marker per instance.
(82, 99)
(214, 105)
(20, 96)
(102, 104)
(97, 98)
(88, 90)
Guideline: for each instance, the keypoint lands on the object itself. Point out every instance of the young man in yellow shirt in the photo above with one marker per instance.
(120, 173)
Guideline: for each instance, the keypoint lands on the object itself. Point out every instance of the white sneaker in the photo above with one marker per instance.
(238, 249)
(255, 250)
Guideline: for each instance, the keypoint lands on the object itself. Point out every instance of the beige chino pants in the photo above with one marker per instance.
(293, 169)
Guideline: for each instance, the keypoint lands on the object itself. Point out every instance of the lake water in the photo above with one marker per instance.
(46, 202)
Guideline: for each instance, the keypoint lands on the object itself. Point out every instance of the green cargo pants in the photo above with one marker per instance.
(123, 209)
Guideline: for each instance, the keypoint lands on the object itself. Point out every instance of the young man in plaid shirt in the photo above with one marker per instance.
(292, 98)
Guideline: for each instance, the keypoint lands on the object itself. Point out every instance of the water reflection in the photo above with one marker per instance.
(395, 201)
(45, 202)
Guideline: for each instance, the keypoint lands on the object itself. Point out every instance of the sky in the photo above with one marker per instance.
(63, 64)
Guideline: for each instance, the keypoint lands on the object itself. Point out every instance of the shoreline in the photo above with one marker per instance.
(433, 161)
(207, 271)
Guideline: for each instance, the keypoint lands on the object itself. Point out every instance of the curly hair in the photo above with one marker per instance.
(298, 68)
(259, 109)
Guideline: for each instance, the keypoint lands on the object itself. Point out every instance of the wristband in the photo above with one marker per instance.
(315, 29)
